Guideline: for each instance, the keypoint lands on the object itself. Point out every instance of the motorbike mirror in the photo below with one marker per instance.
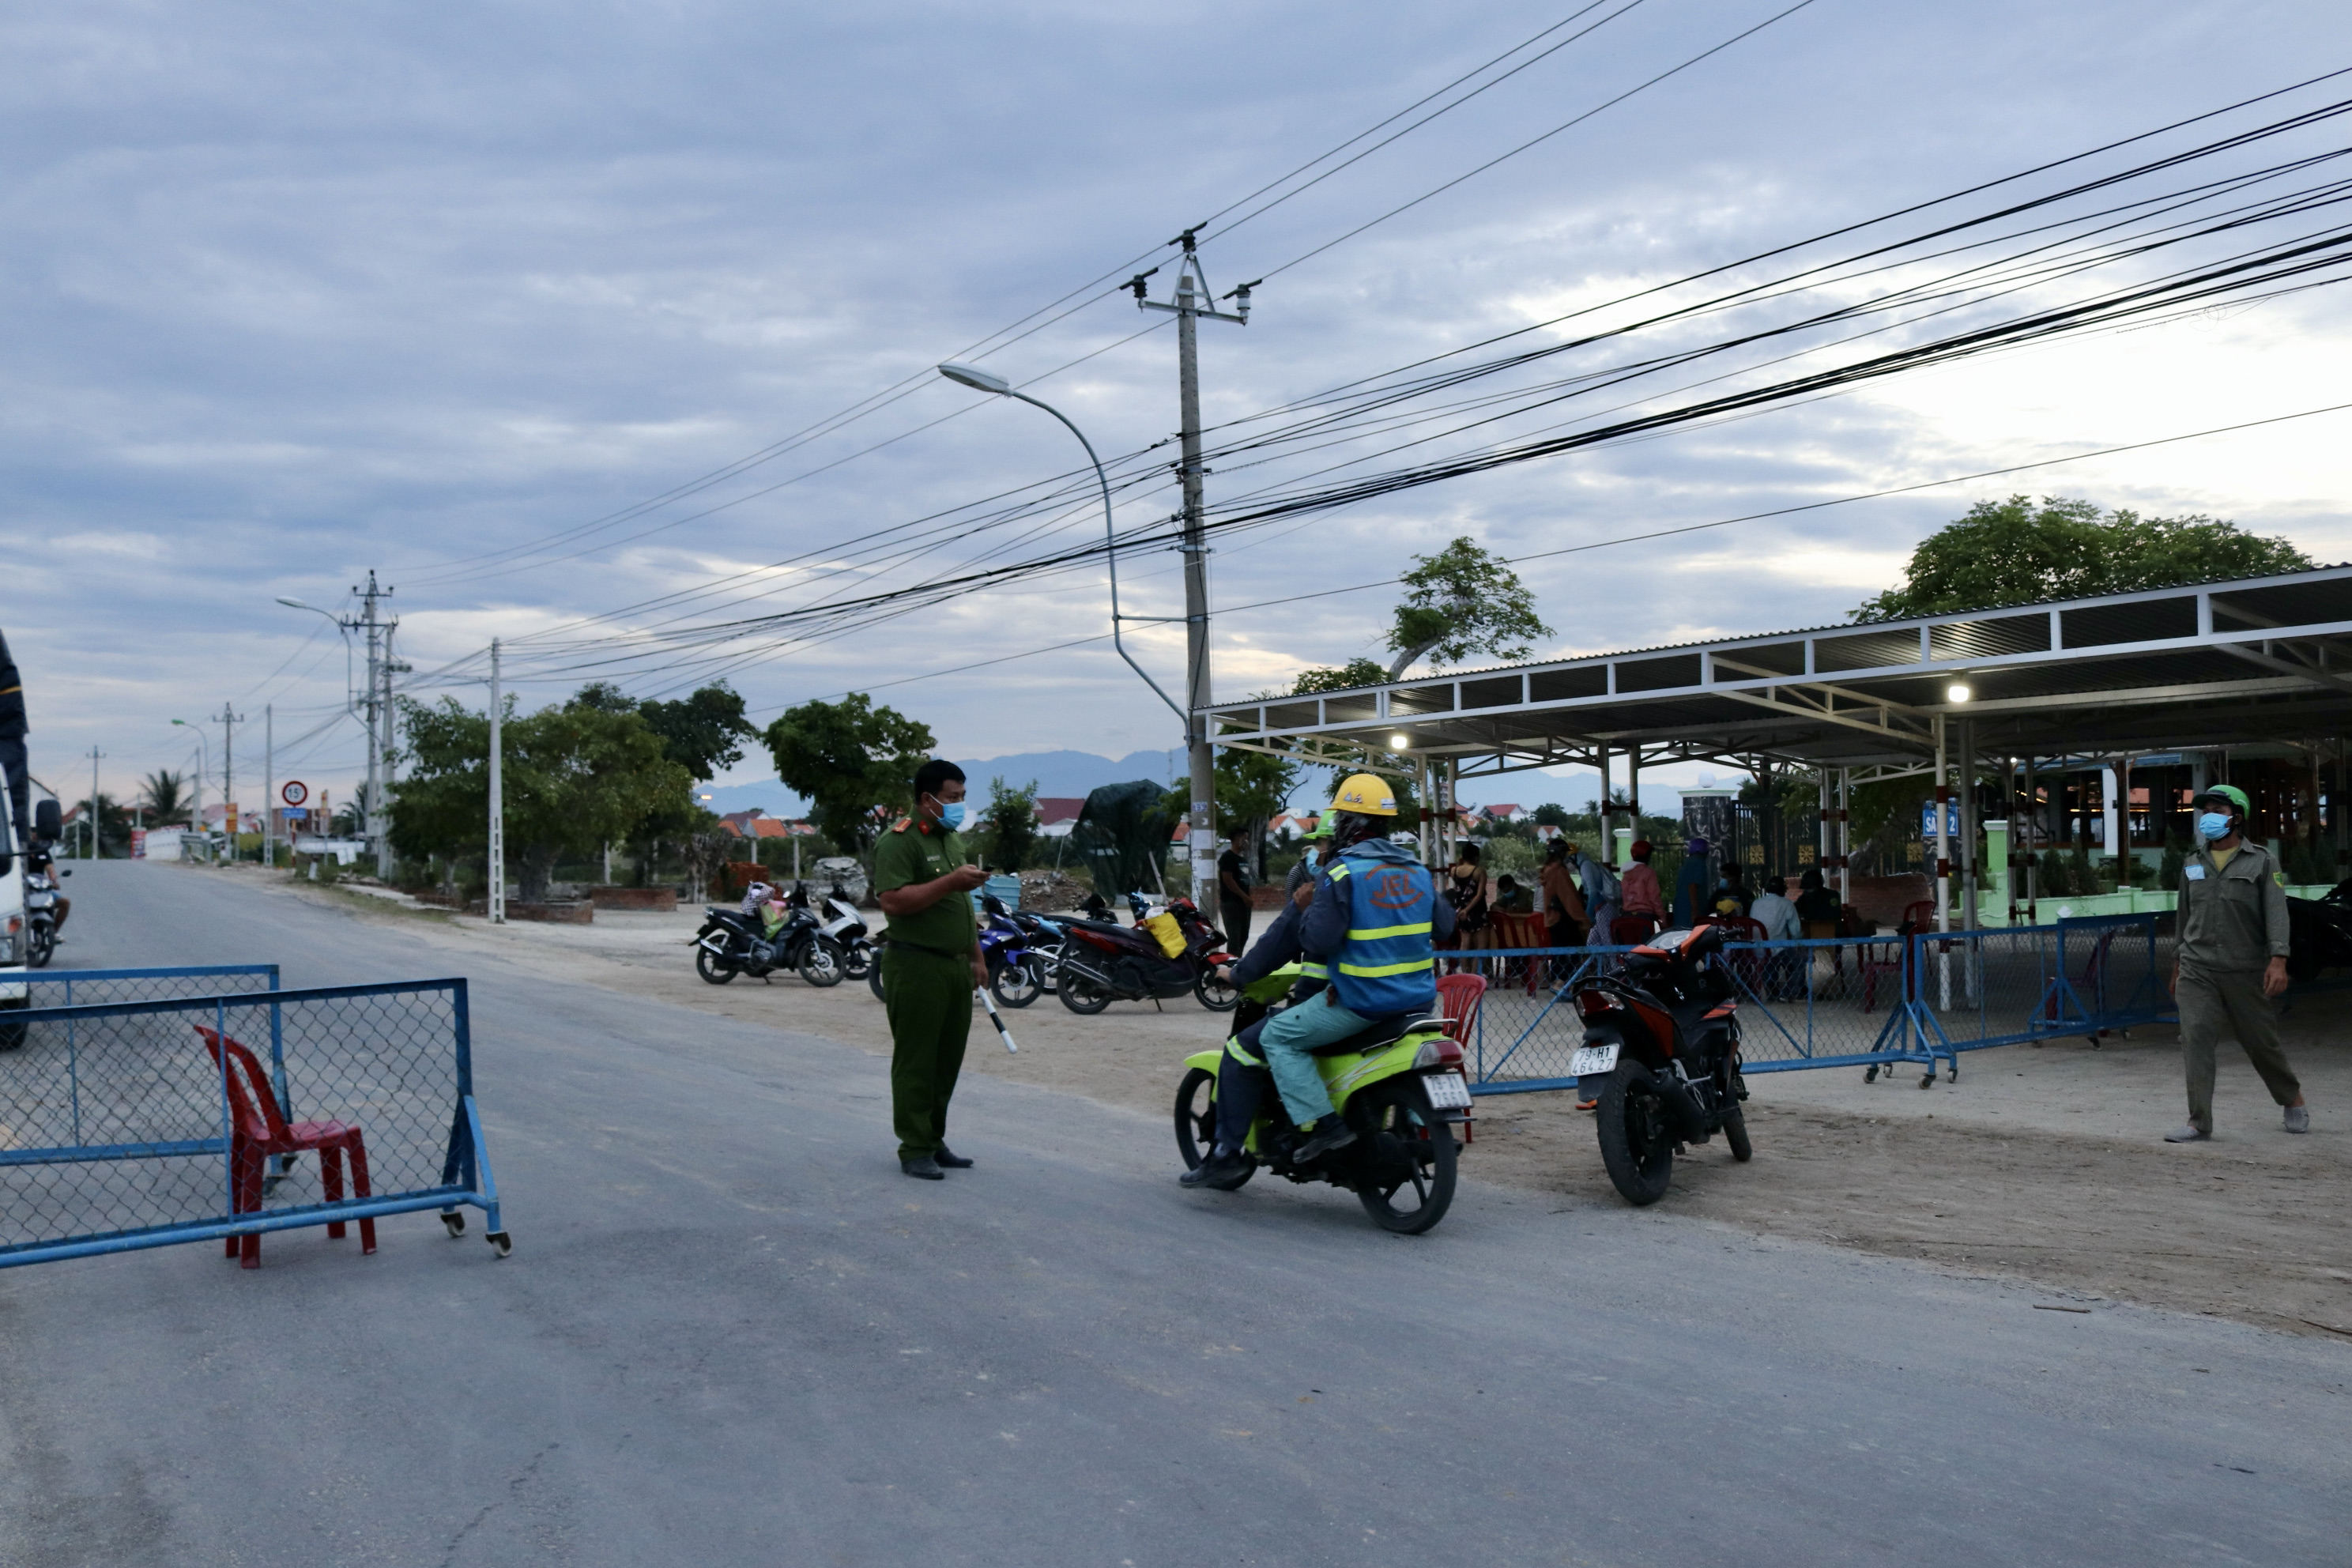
(67, 872)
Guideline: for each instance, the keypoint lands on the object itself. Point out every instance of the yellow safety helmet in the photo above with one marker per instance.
(1366, 794)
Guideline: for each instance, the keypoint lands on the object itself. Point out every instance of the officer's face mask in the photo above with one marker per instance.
(2213, 825)
(950, 813)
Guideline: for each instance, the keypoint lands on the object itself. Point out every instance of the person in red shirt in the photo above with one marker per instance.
(1642, 896)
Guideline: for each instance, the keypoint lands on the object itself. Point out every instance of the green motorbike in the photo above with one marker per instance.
(1399, 1084)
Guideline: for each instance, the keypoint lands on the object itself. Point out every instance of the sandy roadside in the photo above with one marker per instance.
(2042, 1162)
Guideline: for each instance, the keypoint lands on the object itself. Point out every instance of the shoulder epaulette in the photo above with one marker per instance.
(904, 823)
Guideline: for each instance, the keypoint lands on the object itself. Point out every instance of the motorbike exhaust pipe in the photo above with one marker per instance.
(1690, 1123)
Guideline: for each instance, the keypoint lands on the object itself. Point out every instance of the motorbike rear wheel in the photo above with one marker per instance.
(712, 968)
(1215, 995)
(1017, 984)
(1735, 1132)
(1637, 1143)
(856, 959)
(1080, 995)
(820, 963)
(874, 978)
(1406, 1153)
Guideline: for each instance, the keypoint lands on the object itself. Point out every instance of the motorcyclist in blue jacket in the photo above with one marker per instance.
(1374, 919)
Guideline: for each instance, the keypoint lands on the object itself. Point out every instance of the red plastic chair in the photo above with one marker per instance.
(258, 1131)
(1459, 997)
(1916, 918)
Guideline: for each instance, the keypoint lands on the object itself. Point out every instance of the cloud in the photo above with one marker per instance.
(294, 296)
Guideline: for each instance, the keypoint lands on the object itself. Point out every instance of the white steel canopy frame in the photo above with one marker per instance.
(2218, 664)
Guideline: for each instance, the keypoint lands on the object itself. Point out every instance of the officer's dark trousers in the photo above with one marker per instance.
(927, 999)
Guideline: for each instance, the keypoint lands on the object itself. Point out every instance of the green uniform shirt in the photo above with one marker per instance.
(916, 851)
(2232, 917)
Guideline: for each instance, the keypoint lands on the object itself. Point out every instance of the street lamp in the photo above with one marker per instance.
(996, 385)
(204, 766)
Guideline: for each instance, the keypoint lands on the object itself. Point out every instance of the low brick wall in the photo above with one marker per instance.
(569, 914)
(662, 899)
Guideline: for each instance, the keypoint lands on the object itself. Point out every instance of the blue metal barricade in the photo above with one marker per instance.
(2004, 986)
(1869, 1002)
(135, 1123)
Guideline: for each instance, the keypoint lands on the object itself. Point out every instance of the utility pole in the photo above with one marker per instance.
(1194, 299)
(496, 903)
(377, 713)
(230, 719)
(268, 784)
(91, 833)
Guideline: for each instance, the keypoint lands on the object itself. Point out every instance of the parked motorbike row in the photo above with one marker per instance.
(822, 940)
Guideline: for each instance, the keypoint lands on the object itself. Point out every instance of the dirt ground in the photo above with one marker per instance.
(2042, 1162)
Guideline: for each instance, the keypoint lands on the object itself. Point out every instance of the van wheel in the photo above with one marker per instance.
(1637, 1142)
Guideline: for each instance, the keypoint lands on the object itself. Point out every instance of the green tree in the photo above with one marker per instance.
(166, 795)
(1461, 602)
(114, 820)
(1551, 815)
(1012, 824)
(1356, 672)
(1251, 788)
(575, 778)
(847, 758)
(2015, 553)
(703, 732)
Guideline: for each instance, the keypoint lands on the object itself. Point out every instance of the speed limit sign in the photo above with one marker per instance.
(295, 792)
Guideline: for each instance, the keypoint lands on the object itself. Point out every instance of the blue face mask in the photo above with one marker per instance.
(2212, 826)
(951, 817)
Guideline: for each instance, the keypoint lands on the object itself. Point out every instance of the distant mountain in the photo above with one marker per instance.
(1070, 772)
(1056, 773)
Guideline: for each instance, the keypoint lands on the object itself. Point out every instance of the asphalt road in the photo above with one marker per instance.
(731, 1332)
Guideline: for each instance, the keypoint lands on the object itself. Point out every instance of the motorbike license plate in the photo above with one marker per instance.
(1446, 1090)
(1593, 1061)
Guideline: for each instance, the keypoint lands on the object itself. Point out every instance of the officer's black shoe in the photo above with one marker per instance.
(1326, 1135)
(924, 1166)
(1221, 1172)
(948, 1159)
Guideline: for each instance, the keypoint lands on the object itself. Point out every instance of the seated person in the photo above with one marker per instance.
(1817, 907)
(1510, 899)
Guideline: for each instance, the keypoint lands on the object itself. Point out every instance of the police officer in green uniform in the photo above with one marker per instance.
(2232, 960)
(930, 962)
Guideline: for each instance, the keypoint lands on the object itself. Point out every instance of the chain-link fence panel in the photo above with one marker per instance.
(1828, 1002)
(82, 987)
(139, 1123)
(1867, 1002)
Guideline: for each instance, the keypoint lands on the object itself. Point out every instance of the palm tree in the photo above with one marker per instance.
(167, 799)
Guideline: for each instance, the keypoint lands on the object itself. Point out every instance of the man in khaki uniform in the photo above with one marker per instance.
(2232, 960)
(930, 963)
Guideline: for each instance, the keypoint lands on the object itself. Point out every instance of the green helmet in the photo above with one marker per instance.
(2230, 793)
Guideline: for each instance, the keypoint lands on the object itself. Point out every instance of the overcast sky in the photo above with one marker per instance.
(298, 292)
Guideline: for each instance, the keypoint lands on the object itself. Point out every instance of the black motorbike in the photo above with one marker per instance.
(1102, 961)
(731, 943)
(41, 918)
(1663, 1037)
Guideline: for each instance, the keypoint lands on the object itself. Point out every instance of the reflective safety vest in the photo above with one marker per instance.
(1386, 965)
